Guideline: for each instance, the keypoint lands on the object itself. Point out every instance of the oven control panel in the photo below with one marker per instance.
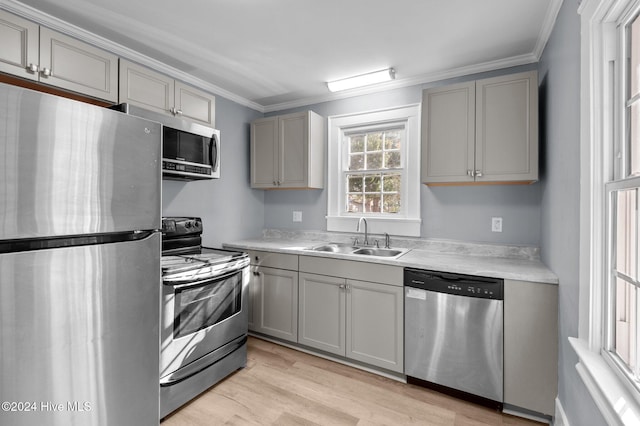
(177, 226)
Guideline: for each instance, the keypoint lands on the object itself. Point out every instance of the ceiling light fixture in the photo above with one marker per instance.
(362, 80)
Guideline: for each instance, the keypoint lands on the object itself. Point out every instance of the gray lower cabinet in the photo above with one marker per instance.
(37, 53)
(273, 290)
(357, 319)
(531, 345)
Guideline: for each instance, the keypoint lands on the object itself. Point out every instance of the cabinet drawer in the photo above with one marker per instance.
(274, 260)
(363, 271)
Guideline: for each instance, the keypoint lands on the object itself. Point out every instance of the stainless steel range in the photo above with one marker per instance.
(204, 313)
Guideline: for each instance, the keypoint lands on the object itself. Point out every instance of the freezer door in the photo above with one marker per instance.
(69, 168)
(79, 332)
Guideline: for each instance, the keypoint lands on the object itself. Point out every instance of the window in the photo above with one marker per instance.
(608, 344)
(621, 190)
(374, 171)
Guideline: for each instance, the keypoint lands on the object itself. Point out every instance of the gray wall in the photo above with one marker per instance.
(455, 213)
(559, 73)
(229, 208)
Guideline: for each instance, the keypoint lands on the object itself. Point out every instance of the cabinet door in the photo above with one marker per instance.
(77, 66)
(275, 306)
(293, 145)
(531, 345)
(145, 88)
(375, 318)
(507, 127)
(195, 104)
(264, 152)
(448, 133)
(18, 46)
(322, 313)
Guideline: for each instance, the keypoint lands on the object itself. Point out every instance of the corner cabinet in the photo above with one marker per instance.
(273, 295)
(157, 92)
(30, 51)
(287, 151)
(360, 320)
(483, 131)
(531, 345)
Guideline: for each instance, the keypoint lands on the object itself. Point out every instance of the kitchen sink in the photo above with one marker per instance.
(336, 248)
(374, 251)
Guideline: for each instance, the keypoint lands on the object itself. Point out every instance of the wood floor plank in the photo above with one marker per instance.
(282, 386)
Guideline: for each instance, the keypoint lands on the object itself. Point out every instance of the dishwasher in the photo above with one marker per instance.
(454, 335)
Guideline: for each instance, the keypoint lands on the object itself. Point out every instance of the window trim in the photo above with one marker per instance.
(407, 224)
(600, 93)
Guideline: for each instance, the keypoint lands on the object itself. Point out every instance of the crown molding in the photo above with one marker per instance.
(547, 27)
(61, 26)
(81, 34)
(406, 82)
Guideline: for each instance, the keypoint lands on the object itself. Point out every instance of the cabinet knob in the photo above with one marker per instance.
(257, 258)
(478, 173)
(178, 112)
(46, 72)
(32, 68)
(342, 286)
(470, 173)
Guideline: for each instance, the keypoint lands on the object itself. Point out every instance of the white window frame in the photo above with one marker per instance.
(406, 223)
(601, 91)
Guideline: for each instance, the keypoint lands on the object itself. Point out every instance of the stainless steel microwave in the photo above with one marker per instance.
(190, 151)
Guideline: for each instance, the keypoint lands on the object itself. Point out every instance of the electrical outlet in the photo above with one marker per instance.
(297, 216)
(496, 224)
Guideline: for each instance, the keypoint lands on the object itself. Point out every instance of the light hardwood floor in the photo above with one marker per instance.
(281, 386)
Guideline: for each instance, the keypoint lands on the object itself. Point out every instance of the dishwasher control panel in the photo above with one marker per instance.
(458, 284)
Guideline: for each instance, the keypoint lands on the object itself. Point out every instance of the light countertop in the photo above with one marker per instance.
(507, 262)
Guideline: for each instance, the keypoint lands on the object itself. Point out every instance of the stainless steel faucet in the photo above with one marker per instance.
(366, 234)
(387, 240)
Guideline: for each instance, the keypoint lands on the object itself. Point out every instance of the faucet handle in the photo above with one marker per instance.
(375, 243)
(387, 240)
(355, 241)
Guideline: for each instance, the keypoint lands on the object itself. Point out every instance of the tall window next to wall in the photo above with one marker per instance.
(622, 197)
(374, 171)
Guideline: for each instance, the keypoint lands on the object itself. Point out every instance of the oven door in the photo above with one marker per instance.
(200, 317)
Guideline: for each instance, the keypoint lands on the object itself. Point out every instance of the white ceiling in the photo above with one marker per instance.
(275, 54)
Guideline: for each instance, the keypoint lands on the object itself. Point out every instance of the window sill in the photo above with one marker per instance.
(611, 396)
(376, 225)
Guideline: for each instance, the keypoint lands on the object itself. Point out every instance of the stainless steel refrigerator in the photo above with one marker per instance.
(79, 263)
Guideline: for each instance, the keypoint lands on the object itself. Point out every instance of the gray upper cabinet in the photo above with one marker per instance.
(287, 151)
(157, 92)
(40, 54)
(481, 131)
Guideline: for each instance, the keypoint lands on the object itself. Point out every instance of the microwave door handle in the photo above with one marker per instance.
(213, 153)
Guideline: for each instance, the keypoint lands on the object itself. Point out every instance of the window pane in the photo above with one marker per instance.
(627, 233)
(392, 139)
(354, 203)
(372, 184)
(356, 162)
(355, 183)
(392, 160)
(391, 203)
(356, 143)
(374, 161)
(372, 203)
(626, 322)
(391, 183)
(374, 142)
(634, 73)
(634, 140)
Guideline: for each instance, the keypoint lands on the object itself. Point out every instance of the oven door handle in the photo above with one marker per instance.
(203, 363)
(189, 283)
